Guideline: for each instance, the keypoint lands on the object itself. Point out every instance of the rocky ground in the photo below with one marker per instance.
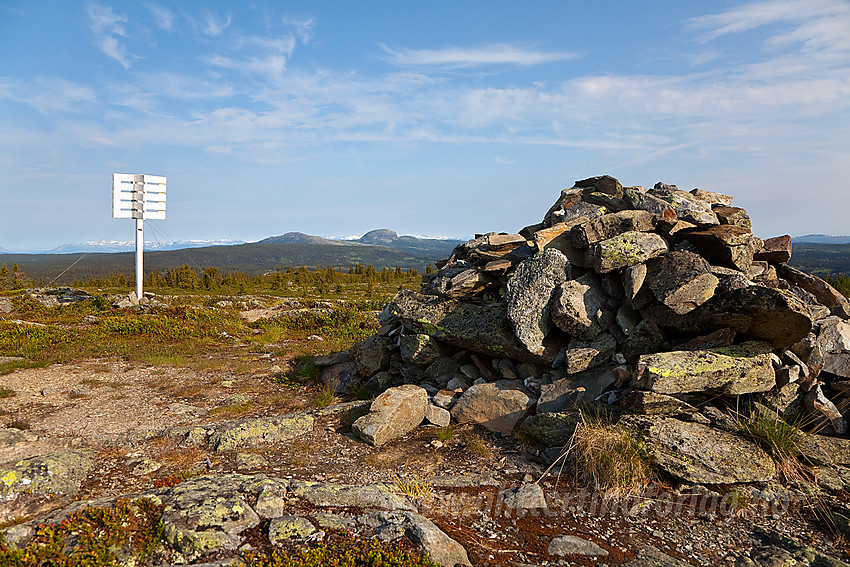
(104, 429)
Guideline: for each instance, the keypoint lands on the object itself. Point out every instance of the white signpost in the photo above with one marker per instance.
(138, 197)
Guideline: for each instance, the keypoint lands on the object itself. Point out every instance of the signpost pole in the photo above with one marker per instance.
(140, 241)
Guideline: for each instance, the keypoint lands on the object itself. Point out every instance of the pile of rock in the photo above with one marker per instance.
(659, 303)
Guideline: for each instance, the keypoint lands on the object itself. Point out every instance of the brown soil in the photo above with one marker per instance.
(95, 404)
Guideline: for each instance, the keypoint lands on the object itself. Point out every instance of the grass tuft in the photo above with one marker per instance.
(611, 458)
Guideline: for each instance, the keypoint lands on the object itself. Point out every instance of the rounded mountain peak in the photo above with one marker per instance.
(379, 236)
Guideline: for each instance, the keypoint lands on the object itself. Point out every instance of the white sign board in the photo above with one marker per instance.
(138, 196)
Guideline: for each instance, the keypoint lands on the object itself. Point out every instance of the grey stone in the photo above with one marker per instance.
(733, 215)
(628, 319)
(576, 309)
(574, 545)
(478, 328)
(445, 399)
(602, 184)
(825, 293)
(233, 435)
(680, 372)
(438, 546)
(549, 429)
(529, 292)
(345, 495)
(712, 198)
(627, 249)
(6, 305)
(610, 225)
(581, 355)
(822, 408)
(700, 454)
(681, 280)
(56, 474)
(653, 403)
(776, 250)
(756, 312)
(648, 556)
(394, 413)
(686, 205)
(633, 278)
(498, 406)
(525, 497)
(340, 377)
(207, 514)
(421, 350)
(286, 528)
(640, 199)
(372, 354)
(724, 245)
(576, 391)
(438, 416)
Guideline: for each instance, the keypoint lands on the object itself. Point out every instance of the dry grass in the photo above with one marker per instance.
(478, 447)
(611, 458)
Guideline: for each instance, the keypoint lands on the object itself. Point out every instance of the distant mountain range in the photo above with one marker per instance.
(119, 246)
(821, 239)
(379, 237)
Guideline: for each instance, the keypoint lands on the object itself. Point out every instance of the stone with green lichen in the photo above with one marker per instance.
(246, 432)
(702, 455)
(680, 372)
(289, 528)
(345, 495)
(208, 513)
(475, 327)
(57, 474)
(498, 406)
(627, 249)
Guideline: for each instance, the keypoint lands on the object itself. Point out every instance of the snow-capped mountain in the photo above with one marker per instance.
(119, 246)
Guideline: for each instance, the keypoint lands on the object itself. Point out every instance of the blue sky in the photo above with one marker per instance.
(438, 118)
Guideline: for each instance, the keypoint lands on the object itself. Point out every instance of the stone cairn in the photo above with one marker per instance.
(659, 305)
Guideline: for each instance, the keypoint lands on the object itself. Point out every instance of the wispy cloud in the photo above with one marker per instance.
(212, 25)
(163, 17)
(464, 57)
(48, 95)
(107, 28)
(820, 25)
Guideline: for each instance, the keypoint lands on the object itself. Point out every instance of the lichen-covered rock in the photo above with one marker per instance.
(755, 311)
(637, 198)
(286, 528)
(549, 429)
(823, 292)
(56, 474)
(527, 496)
(627, 249)
(478, 328)
(581, 355)
(498, 406)
(207, 514)
(233, 435)
(394, 413)
(372, 354)
(776, 250)
(733, 215)
(682, 372)
(433, 541)
(327, 495)
(529, 293)
(702, 455)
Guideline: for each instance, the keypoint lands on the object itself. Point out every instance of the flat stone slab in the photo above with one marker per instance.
(688, 371)
(574, 545)
(248, 432)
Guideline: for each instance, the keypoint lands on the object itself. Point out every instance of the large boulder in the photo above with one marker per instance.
(478, 328)
(529, 293)
(498, 406)
(699, 454)
(372, 354)
(687, 206)
(419, 349)
(754, 311)
(682, 372)
(823, 292)
(394, 413)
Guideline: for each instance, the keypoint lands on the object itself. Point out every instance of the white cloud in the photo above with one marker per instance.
(163, 17)
(460, 57)
(303, 27)
(820, 25)
(214, 26)
(48, 95)
(107, 28)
